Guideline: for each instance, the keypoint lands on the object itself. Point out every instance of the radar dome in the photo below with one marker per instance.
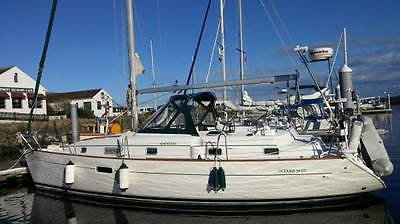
(320, 53)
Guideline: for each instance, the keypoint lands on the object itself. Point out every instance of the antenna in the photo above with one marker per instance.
(222, 38)
(346, 80)
(153, 72)
(345, 45)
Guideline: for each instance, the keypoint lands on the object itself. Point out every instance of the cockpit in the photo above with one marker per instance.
(183, 114)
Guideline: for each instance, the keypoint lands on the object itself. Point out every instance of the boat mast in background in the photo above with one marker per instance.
(153, 73)
(222, 52)
(131, 58)
(241, 50)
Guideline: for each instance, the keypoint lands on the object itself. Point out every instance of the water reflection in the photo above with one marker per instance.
(382, 121)
(53, 210)
(391, 140)
(15, 205)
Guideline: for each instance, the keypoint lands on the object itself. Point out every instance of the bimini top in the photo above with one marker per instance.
(183, 114)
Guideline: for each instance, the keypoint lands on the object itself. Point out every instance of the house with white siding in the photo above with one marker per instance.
(16, 95)
(96, 100)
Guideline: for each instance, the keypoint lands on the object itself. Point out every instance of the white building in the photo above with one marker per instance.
(146, 109)
(96, 100)
(16, 93)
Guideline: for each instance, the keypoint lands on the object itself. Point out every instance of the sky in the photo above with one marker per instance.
(88, 45)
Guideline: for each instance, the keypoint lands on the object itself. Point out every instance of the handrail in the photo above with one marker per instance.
(226, 145)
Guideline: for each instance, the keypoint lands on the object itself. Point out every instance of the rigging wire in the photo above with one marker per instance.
(117, 51)
(198, 45)
(304, 61)
(277, 33)
(123, 41)
(334, 59)
(152, 99)
(213, 51)
(116, 103)
(140, 35)
(160, 39)
(42, 61)
(115, 31)
(280, 20)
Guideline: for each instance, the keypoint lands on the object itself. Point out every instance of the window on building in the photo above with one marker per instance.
(98, 105)
(15, 77)
(87, 106)
(38, 103)
(17, 103)
(2, 103)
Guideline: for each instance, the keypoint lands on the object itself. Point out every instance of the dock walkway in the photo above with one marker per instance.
(15, 175)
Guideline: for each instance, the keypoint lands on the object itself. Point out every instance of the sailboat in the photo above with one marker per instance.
(181, 158)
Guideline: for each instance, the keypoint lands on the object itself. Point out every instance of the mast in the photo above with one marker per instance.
(241, 50)
(222, 30)
(153, 72)
(131, 58)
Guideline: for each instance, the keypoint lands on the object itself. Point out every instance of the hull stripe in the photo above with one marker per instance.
(192, 160)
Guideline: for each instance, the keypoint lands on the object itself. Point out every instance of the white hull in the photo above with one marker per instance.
(84, 213)
(186, 179)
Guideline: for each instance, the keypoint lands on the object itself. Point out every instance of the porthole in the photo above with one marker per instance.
(215, 151)
(151, 151)
(271, 151)
(103, 169)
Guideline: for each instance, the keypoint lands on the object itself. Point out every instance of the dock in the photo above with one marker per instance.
(376, 111)
(382, 131)
(376, 104)
(12, 177)
(320, 132)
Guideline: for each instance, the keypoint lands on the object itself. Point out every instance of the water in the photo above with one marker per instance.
(7, 161)
(392, 142)
(24, 205)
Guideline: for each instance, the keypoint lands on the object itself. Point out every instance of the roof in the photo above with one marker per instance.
(4, 69)
(82, 94)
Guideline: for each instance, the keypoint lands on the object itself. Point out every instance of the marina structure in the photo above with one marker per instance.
(96, 100)
(375, 104)
(187, 156)
(16, 93)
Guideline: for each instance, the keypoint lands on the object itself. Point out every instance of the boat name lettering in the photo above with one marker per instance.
(292, 170)
(167, 143)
